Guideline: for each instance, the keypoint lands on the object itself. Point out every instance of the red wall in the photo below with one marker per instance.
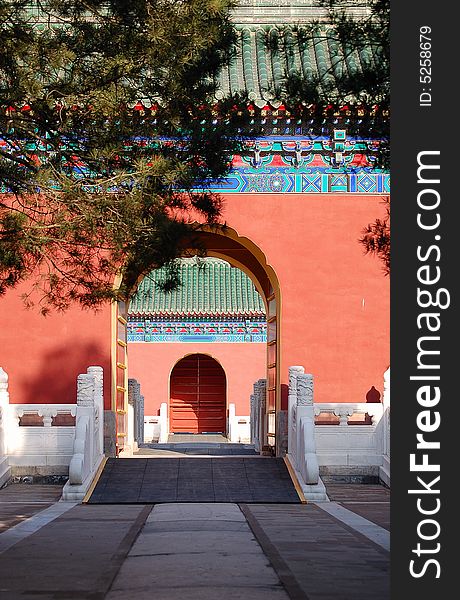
(335, 299)
(44, 355)
(151, 365)
(334, 313)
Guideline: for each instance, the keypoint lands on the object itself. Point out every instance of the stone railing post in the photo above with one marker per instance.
(386, 413)
(4, 405)
(140, 420)
(307, 460)
(292, 403)
(80, 464)
(231, 422)
(263, 425)
(98, 400)
(257, 443)
(135, 399)
(85, 406)
(257, 413)
(47, 413)
(88, 444)
(4, 417)
(163, 439)
(133, 390)
(252, 417)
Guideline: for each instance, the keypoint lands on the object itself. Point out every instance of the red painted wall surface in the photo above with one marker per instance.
(334, 313)
(335, 300)
(151, 365)
(43, 355)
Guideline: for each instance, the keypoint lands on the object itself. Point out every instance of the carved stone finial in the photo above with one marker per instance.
(386, 388)
(387, 375)
(98, 377)
(85, 389)
(304, 389)
(386, 379)
(293, 372)
(3, 379)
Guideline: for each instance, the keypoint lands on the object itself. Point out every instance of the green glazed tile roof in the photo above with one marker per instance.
(266, 54)
(212, 289)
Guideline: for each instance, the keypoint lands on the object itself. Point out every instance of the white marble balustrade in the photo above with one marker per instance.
(302, 455)
(239, 428)
(43, 445)
(88, 447)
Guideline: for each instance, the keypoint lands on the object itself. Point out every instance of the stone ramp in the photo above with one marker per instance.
(206, 479)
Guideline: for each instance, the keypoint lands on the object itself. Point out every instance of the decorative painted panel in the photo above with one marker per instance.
(282, 181)
(299, 164)
(147, 330)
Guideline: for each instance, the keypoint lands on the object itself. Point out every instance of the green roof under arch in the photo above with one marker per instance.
(209, 287)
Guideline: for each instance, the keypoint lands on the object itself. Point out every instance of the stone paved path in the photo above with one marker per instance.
(198, 551)
(75, 557)
(321, 558)
(19, 501)
(370, 501)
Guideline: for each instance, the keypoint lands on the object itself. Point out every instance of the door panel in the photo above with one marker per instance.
(198, 396)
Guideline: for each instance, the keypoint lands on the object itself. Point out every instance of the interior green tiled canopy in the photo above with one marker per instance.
(209, 287)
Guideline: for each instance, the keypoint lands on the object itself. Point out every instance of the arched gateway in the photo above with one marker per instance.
(223, 243)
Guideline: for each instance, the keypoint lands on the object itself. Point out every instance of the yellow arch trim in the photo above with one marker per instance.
(231, 233)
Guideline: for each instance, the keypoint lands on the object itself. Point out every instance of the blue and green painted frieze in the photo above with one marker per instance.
(194, 330)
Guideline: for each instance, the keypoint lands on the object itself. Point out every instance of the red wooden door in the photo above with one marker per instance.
(197, 396)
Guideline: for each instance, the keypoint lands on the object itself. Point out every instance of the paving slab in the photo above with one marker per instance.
(76, 556)
(196, 512)
(373, 532)
(199, 551)
(20, 501)
(369, 501)
(317, 556)
(376, 513)
(200, 525)
(210, 563)
(353, 492)
(202, 593)
(25, 528)
(157, 542)
(195, 566)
